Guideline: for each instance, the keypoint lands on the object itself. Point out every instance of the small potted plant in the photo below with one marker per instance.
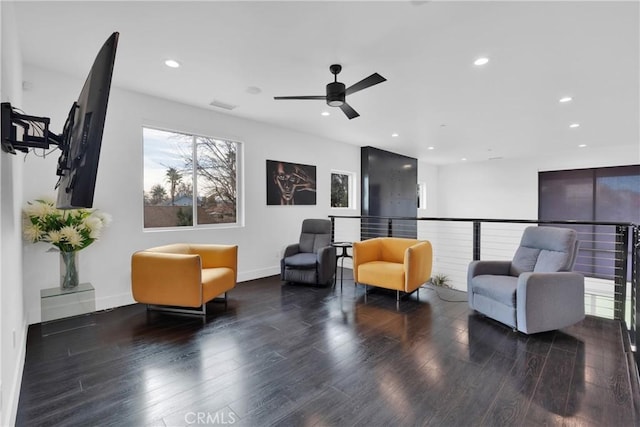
(441, 280)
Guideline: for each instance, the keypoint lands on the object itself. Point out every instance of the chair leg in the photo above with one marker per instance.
(172, 309)
(397, 295)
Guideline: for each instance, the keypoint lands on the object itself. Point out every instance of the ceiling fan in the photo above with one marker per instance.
(336, 92)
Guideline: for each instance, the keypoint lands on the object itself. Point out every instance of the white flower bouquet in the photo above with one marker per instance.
(69, 230)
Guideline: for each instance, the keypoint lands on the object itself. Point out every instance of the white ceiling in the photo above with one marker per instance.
(433, 97)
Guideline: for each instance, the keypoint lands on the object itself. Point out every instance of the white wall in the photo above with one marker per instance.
(267, 230)
(12, 315)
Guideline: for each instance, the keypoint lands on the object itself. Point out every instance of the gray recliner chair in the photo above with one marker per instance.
(536, 291)
(313, 259)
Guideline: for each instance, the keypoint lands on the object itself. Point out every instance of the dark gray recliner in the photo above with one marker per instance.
(536, 291)
(313, 259)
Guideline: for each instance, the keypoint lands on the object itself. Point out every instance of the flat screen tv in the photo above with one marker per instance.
(82, 135)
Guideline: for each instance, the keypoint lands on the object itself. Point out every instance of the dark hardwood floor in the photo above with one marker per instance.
(294, 355)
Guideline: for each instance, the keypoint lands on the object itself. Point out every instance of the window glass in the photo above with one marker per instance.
(609, 194)
(189, 180)
(217, 180)
(422, 195)
(342, 190)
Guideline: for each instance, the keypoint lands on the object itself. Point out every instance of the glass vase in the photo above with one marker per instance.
(69, 270)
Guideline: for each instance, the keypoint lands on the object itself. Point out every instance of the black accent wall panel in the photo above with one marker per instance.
(389, 184)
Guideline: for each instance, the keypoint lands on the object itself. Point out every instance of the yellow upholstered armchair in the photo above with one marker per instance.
(183, 275)
(392, 263)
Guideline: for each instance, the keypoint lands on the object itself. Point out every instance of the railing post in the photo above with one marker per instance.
(620, 272)
(635, 282)
(333, 229)
(476, 240)
(390, 228)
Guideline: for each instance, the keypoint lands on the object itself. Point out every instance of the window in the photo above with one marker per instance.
(600, 194)
(189, 180)
(422, 195)
(342, 190)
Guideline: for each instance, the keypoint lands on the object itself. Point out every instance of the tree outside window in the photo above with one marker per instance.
(342, 189)
(189, 180)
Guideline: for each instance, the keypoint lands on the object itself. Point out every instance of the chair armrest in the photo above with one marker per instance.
(291, 250)
(418, 261)
(365, 251)
(327, 253)
(167, 279)
(480, 268)
(326, 263)
(547, 301)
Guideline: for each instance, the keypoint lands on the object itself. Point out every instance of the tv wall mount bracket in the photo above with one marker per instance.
(35, 133)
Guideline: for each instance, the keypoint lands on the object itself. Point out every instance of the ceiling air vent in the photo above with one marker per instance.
(223, 105)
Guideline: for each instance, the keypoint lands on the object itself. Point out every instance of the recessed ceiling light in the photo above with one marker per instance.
(481, 61)
(565, 99)
(431, 148)
(574, 125)
(582, 145)
(464, 159)
(325, 113)
(172, 63)
(254, 90)
(394, 135)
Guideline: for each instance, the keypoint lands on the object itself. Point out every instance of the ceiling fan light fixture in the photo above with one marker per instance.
(335, 94)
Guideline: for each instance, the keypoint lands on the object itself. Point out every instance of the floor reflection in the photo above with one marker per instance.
(547, 369)
(303, 355)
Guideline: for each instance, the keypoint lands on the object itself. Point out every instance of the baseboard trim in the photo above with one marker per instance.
(11, 411)
(112, 301)
(244, 276)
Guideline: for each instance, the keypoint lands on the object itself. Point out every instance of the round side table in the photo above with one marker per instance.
(344, 254)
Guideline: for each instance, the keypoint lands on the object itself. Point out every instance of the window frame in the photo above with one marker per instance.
(422, 195)
(239, 222)
(351, 188)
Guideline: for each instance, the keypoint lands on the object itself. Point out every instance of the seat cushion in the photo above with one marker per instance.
(216, 281)
(301, 260)
(498, 288)
(389, 275)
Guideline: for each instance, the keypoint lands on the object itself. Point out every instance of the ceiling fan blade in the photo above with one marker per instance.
(350, 112)
(323, 97)
(373, 79)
